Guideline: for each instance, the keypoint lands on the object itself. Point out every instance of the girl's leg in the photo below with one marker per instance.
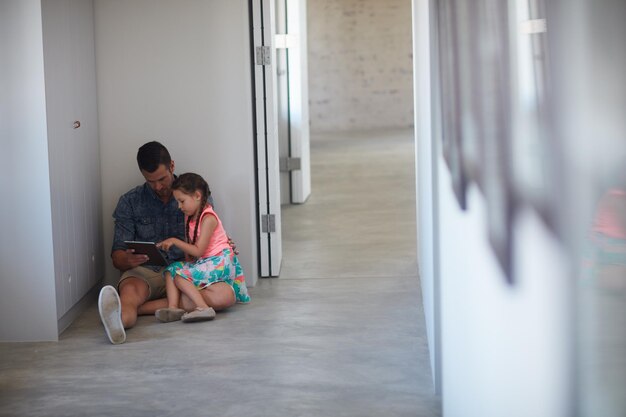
(190, 290)
(172, 291)
(172, 312)
(219, 296)
(202, 311)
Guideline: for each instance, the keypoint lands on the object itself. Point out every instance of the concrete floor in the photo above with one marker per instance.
(340, 333)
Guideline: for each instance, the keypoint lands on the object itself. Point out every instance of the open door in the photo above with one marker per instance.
(292, 100)
(266, 136)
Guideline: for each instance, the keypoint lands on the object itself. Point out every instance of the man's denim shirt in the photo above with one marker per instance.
(141, 215)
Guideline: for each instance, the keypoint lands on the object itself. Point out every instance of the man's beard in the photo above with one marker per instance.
(164, 193)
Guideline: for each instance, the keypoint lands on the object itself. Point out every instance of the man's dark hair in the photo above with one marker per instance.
(151, 155)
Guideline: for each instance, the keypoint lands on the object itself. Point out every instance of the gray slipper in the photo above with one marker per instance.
(110, 308)
(166, 315)
(198, 314)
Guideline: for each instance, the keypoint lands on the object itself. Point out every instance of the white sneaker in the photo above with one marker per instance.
(110, 308)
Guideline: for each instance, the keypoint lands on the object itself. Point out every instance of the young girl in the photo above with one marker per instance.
(211, 277)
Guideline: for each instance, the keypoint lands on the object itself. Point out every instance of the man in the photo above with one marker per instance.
(147, 213)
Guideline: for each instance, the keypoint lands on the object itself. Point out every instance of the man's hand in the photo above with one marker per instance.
(127, 259)
(233, 246)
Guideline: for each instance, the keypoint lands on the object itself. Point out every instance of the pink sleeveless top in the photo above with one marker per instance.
(219, 239)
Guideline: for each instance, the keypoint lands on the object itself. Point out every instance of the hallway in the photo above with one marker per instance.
(360, 217)
(307, 345)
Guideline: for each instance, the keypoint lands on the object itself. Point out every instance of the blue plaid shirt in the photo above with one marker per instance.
(141, 215)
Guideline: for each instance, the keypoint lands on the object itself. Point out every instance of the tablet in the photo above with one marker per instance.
(150, 249)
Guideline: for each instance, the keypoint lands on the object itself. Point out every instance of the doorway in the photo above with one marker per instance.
(359, 222)
(360, 93)
(360, 217)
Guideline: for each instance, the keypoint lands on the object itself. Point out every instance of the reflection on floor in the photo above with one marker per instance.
(352, 344)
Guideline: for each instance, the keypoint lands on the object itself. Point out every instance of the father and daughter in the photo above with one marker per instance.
(203, 273)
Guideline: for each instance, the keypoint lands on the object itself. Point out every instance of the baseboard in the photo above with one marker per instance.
(68, 318)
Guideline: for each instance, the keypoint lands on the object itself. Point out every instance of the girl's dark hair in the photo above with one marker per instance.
(189, 183)
(151, 155)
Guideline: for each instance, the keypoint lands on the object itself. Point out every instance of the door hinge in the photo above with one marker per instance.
(268, 223)
(290, 164)
(263, 55)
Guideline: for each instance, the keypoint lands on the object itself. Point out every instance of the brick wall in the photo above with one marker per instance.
(360, 64)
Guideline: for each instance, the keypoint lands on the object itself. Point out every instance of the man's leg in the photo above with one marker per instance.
(133, 293)
(119, 311)
(149, 307)
(119, 308)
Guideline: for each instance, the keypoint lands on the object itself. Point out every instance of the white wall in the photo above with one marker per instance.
(360, 64)
(425, 177)
(27, 299)
(74, 159)
(505, 348)
(179, 73)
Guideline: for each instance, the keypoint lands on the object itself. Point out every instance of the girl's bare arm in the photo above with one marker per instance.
(208, 225)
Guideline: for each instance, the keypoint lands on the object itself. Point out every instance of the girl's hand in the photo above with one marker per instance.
(167, 243)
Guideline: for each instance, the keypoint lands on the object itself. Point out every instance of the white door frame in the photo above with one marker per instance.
(425, 73)
(295, 155)
(266, 138)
